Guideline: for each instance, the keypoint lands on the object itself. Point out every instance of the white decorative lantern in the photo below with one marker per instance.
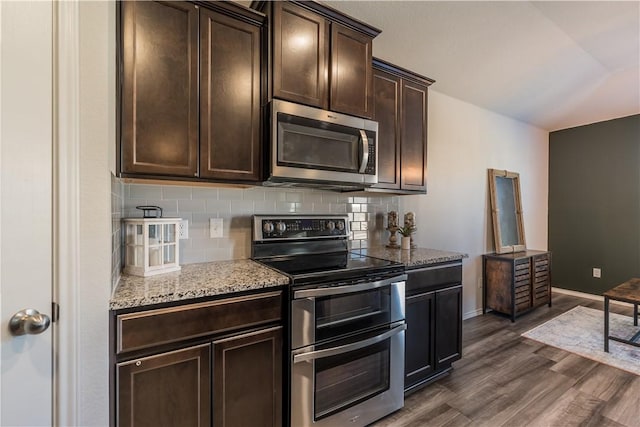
(151, 246)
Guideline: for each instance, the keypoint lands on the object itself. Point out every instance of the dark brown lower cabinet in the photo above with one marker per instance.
(247, 379)
(167, 389)
(225, 369)
(433, 340)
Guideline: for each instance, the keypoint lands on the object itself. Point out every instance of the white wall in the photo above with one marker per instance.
(97, 144)
(463, 142)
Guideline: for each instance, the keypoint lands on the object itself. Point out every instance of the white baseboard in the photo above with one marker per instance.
(472, 313)
(587, 296)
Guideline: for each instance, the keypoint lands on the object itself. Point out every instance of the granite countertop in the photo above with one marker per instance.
(413, 258)
(194, 281)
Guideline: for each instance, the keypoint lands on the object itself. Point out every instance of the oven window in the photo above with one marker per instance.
(312, 144)
(347, 379)
(340, 315)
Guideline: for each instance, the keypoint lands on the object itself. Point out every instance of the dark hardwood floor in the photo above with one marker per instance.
(504, 379)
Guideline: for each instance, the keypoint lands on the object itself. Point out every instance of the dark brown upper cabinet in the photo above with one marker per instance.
(159, 102)
(229, 98)
(320, 57)
(191, 91)
(400, 108)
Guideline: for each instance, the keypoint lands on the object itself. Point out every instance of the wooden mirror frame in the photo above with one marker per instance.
(500, 218)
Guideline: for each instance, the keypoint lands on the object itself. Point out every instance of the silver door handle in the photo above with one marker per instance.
(28, 322)
(365, 151)
(312, 355)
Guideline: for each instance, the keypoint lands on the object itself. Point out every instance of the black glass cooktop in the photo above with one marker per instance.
(312, 268)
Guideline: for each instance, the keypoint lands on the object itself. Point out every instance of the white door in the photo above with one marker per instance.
(25, 208)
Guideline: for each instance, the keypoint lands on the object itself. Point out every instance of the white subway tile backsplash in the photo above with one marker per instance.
(312, 197)
(305, 207)
(221, 207)
(359, 235)
(322, 208)
(329, 197)
(198, 205)
(241, 207)
(138, 191)
(285, 207)
(236, 206)
(274, 194)
(265, 207)
(171, 192)
(204, 193)
(339, 208)
(230, 194)
(256, 194)
(293, 197)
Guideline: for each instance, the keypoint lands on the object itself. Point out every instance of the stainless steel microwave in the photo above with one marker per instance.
(310, 146)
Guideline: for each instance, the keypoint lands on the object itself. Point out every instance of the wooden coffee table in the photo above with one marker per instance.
(628, 292)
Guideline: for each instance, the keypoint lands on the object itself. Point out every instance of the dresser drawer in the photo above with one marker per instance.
(166, 325)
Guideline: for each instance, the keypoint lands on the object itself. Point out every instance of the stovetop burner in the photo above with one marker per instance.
(312, 249)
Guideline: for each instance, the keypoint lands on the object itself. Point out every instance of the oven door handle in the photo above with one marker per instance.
(348, 289)
(319, 354)
(365, 151)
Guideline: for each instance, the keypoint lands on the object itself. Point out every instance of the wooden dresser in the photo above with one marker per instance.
(517, 282)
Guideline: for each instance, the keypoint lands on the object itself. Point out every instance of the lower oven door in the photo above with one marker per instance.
(349, 382)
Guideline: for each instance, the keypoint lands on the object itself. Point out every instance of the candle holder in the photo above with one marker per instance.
(392, 227)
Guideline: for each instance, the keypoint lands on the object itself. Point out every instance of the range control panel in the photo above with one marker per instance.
(300, 227)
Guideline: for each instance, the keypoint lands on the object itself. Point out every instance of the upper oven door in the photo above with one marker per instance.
(319, 145)
(326, 313)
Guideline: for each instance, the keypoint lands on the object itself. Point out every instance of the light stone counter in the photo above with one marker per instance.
(414, 258)
(194, 281)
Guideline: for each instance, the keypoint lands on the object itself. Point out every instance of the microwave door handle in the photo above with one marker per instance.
(319, 354)
(365, 151)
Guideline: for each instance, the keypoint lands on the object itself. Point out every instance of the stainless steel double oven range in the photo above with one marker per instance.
(347, 321)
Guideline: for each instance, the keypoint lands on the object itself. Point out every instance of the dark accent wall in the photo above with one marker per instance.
(594, 204)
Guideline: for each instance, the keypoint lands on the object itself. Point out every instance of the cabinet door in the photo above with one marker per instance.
(448, 329)
(300, 55)
(159, 122)
(351, 72)
(247, 379)
(522, 285)
(229, 98)
(386, 108)
(419, 350)
(168, 389)
(414, 136)
(541, 280)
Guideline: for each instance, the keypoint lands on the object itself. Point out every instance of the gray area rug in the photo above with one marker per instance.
(581, 331)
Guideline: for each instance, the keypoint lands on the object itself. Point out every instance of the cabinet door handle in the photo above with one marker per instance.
(313, 355)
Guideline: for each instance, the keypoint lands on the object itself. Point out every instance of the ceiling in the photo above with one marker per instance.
(553, 64)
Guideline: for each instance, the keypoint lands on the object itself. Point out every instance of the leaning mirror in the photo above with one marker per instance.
(506, 210)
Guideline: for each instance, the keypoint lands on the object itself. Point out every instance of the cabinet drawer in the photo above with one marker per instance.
(166, 325)
(431, 278)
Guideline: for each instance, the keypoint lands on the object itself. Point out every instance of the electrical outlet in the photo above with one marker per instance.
(183, 229)
(215, 228)
(597, 273)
